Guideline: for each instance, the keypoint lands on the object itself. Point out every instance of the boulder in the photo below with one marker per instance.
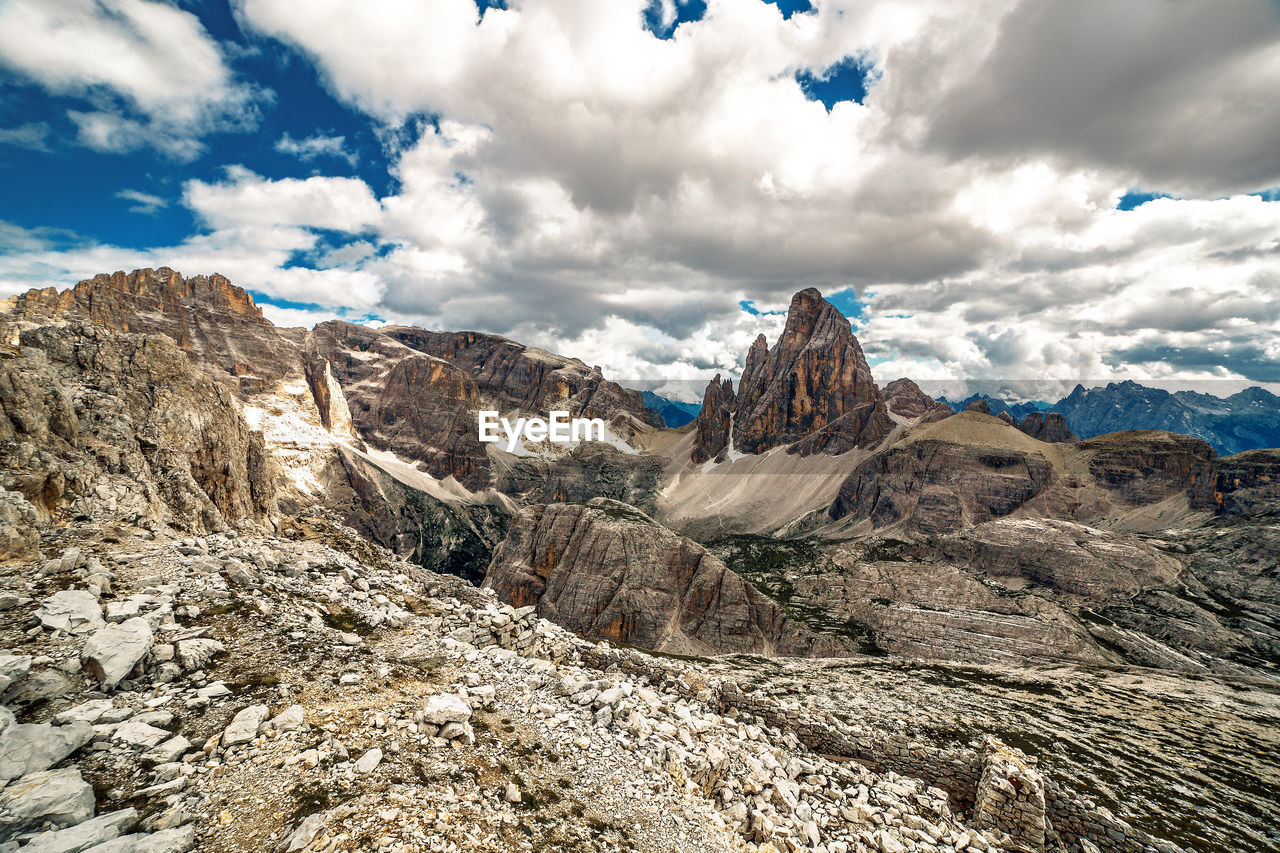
(60, 797)
(244, 726)
(27, 748)
(446, 708)
(75, 611)
(112, 652)
(83, 836)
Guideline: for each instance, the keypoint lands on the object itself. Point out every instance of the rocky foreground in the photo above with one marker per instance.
(309, 691)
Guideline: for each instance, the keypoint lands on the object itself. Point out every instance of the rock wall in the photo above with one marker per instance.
(812, 390)
(606, 570)
(92, 421)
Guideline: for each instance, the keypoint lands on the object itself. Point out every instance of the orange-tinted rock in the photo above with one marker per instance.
(711, 428)
(904, 398)
(812, 390)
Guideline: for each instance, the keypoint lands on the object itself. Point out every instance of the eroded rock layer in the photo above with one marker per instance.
(606, 570)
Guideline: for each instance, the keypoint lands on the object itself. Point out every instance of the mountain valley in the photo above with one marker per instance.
(266, 589)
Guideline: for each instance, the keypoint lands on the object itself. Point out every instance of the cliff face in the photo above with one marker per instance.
(528, 379)
(711, 428)
(405, 401)
(1145, 466)
(606, 570)
(216, 323)
(125, 424)
(812, 390)
(1047, 426)
(904, 398)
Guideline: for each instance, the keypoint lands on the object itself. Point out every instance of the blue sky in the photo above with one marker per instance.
(644, 183)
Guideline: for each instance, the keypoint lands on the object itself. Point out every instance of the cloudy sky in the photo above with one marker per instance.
(1051, 189)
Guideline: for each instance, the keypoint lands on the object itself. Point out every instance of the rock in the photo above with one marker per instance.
(87, 712)
(59, 797)
(289, 719)
(711, 427)
(944, 476)
(85, 835)
(75, 611)
(1047, 426)
(27, 748)
(244, 726)
(512, 793)
(446, 708)
(196, 653)
(38, 687)
(13, 669)
(368, 762)
(177, 840)
(606, 570)
(167, 751)
(138, 733)
(19, 536)
(186, 455)
(1143, 466)
(904, 398)
(112, 652)
(812, 390)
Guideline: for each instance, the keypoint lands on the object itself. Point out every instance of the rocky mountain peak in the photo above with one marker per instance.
(812, 390)
(213, 320)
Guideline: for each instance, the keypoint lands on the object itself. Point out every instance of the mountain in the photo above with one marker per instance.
(811, 391)
(904, 398)
(674, 413)
(263, 588)
(1246, 420)
(1017, 411)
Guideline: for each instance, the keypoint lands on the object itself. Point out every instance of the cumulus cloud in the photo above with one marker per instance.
(584, 186)
(153, 73)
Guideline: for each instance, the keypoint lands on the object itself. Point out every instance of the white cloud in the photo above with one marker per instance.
(145, 203)
(32, 135)
(247, 200)
(611, 195)
(148, 59)
(318, 145)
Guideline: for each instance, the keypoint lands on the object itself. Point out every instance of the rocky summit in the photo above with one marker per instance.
(264, 589)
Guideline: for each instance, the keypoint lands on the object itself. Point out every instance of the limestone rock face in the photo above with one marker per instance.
(812, 390)
(528, 379)
(216, 323)
(1248, 484)
(93, 420)
(711, 436)
(400, 399)
(965, 470)
(1145, 466)
(813, 387)
(1047, 426)
(607, 570)
(904, 398)
(590, 470)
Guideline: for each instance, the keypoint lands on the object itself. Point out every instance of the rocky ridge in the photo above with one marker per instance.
(812, 391)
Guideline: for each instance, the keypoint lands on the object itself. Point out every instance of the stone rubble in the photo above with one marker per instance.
(308, 691)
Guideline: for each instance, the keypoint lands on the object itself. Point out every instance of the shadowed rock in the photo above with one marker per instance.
(607, 570)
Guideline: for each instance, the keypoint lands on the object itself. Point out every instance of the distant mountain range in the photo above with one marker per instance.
(1247, 420)
(674, 413)
(1017, 411)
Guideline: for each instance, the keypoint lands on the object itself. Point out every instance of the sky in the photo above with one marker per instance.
(1049, 190)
